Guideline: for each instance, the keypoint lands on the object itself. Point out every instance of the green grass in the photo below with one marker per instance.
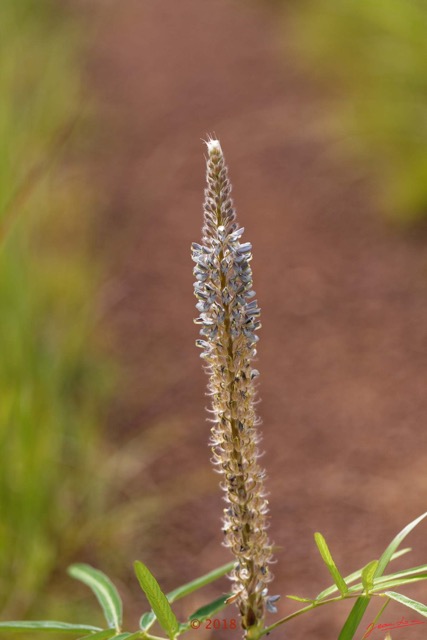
(373, 56)
(50, 381)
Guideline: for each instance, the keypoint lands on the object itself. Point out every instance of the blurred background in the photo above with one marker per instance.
(320, 106)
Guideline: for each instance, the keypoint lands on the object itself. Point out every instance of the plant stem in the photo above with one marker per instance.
(310, 607)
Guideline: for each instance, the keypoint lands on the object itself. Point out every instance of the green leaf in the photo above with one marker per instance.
(386, 584)
(329, 591)
(209, 609)
(368, 573)
(408, 602)
(398, 582)
(394, 544)
(354, 619)
(148, 619)
(104, 590)
(328, 560)
(299, 599)
(157, 599)
(206, 611)
(47, 625)
(198, 583)
(352, 577)
(402, 574)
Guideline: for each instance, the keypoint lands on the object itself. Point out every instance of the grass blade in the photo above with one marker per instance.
(47, 625)
(354, 619)
(352, 577)
(394, 544)
(104, 590)
(329, 561)
(408, 602)
(157, 599)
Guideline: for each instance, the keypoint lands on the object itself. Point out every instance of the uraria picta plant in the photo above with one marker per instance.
(229, 319)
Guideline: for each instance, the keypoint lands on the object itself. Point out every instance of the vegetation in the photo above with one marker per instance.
(373, 58)
(49, 377)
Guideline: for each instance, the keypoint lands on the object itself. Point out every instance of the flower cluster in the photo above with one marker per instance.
(229, 319)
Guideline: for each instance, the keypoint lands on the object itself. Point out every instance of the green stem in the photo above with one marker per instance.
(381, 611)
(310, 608)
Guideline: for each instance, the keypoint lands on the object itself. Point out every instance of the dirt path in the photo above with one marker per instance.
(344, 298)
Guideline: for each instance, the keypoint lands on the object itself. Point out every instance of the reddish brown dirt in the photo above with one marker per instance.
(344, 298)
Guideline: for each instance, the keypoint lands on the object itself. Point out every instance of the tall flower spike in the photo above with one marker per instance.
(229, 318)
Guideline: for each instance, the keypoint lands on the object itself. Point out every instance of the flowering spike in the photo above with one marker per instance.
(229, 318)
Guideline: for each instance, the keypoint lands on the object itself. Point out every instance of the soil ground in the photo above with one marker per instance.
(344, 299)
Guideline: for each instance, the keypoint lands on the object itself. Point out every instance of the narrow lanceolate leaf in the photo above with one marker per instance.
(414, 571)
(104, 590)
(398, 582)
(385, 582)
(408, 602)
(354, 619)
(356, 575)
(394, 544)
(368, 573)
(198, 583)
(157, 599)
(47, 625)
(209, 609)
(299, 599)
(328, 560)
(206, 612)
(148, 619)
(390, 582)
